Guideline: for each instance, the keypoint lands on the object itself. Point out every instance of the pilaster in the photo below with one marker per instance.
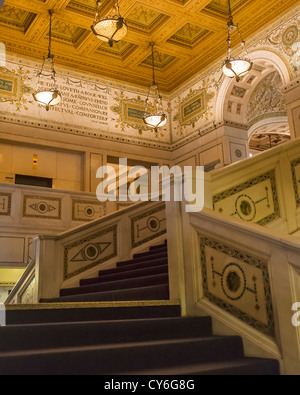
(292, 97)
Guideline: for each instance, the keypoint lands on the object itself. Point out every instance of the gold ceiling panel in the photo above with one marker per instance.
(161, 60)
(144, 19)
(188, 35)
(85, 6)
(121, 49)
(67, 32)
(221, 6)
(16, 18)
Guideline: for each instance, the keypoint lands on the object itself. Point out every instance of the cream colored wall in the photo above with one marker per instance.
(61, 152)
(65, 168)
(8, 278)
(292, 96)
(225, 144)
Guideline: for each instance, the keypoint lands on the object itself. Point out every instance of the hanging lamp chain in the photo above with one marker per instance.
(49, 58)
(153, 67)
(116, 8)
(231, 27)
(158, 99)
(98, 3)
(50, 35)
(230, 13)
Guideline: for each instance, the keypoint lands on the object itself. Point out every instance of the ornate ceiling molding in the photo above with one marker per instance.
(189, 35)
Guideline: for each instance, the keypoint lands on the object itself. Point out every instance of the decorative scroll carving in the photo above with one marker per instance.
(267, 99)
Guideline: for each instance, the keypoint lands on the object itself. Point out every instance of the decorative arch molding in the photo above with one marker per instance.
(271, 121)
(276, 60)
(268, 133)
(266, 57)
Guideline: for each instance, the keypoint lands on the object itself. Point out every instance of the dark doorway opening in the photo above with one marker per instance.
(33, 181)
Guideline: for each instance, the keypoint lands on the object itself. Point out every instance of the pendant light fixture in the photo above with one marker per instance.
(50, 96)
(157, 118)
(239, 66)
(110, 28)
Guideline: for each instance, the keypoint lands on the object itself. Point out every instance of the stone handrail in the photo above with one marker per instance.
(60, 261)
(264, 189)
(243, 275)
(26, 211)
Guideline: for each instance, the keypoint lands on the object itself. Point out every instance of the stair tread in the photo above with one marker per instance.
(117, 285)
(155, 292)
(133, 266)
(151, 252)
(51, 335)
(129, 345)
(91, 311)
(167, 320)
(146, 258)
(231, 366)
(113, 358)
(127, 274)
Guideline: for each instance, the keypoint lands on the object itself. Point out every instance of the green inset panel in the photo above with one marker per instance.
(296, 179)
(253, 201)
(10, 87)
(193, 107)
(238, 283)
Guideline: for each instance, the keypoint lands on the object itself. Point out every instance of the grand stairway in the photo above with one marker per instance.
(120, 323)
(145, 277)
(120, 339)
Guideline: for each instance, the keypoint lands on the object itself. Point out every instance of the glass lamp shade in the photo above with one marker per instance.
(47, 98)
(155, 120)
(110, 29)
(237, 68)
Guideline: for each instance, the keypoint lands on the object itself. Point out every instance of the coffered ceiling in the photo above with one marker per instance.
(188, 35)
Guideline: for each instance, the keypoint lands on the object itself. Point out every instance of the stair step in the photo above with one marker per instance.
(144, 258)
(156, 292)
(150, 253)
(82, 312)
(242, 366)
(129, 357)
(159, 246)
(49, 336)
(134, 266)
(138, 282)
(121, 322)
(126, 275)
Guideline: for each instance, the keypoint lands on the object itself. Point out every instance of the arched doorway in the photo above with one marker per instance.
(257, 103)
(268, 135)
